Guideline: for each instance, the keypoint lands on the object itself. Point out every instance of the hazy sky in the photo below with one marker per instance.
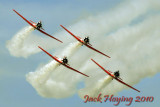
(15, 91)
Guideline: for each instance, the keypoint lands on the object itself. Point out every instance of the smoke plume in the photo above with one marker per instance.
(129, 33)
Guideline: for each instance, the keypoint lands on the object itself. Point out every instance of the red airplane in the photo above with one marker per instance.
(114, 75)
(84, 42)
(37, 26)
(64, 62)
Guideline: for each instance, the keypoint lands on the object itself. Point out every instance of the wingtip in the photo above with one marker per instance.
(92, 59)
(61, 41)
(39, 47)
(107, 56)
(62, 26)
(85, 75)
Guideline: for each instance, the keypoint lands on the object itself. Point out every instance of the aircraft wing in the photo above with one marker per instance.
(126, 84)
(76, 70)
(114, 77)
(89, 46)
(49, 35)
(62, 63)
(71, 33)
(97, 50)
(49, 54)
(25, 19)
(102, 68)
(36, 28)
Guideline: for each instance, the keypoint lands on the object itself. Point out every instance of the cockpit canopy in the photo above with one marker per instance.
(86, 39)
(116, 74)
(65, 60)
(39, 25)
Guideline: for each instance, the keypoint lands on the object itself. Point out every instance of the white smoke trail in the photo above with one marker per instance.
(96, 89)
(71, 49)
(61, 84)
(135, 50)
(128, 47)
(101, 24)
(24, 44)
(49, 81)
(109, 21)
(16, 44)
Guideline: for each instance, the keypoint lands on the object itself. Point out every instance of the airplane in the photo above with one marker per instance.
(84, 42)
(37, 26)
(64, 62)
(115, 75)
